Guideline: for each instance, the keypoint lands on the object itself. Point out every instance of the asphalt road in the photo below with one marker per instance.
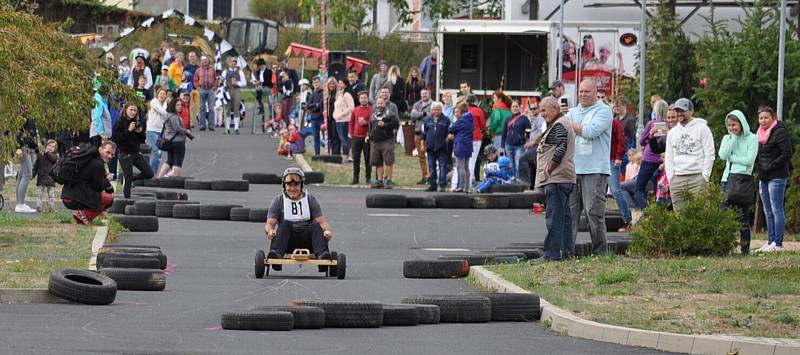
(212, 273)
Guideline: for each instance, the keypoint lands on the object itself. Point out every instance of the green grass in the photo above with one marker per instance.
(31, 247)
(406, 170)
(757, 295)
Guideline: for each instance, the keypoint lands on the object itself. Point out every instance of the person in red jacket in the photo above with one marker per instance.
(358, 127)
(619, 147)
(186, 120)
(479, 121)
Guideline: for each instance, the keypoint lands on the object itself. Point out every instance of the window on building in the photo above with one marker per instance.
(222, 8)
(198, 8)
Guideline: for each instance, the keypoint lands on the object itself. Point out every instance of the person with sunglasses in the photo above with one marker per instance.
(295, 219)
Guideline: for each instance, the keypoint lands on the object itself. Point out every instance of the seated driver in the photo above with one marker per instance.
(295, 216)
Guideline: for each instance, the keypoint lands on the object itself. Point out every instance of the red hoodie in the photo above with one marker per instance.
(479, 120)
(359, 130)
(618, 145)
(184, 115)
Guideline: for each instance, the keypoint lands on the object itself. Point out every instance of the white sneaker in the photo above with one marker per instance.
(770, 247)
(24, 209)
(777, 248)
(763, 248)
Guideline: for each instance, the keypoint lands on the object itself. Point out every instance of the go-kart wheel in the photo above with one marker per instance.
(341, 269)
(332, 268)
(261, 269)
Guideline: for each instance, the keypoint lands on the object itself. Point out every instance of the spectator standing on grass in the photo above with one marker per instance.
(314, 107)
(556, 174)
(478, 131)
(334, 141)
(386, 93)
(155, 122)
(434, 135)
(651, 160)
(501, 111)
(775, 151)
(591, 121)
(342, 110)
(690, 154)
(398, 93)
(354, 85)
(358, 128)
(129, 135)
(527, 162)
(205, 81)
(176, 134)
(41, 170)
(378, 80)
(419, 112)
(618, 150)
(738, 149)
(515, 134)
(91, 194)
(27, 139)
(381, 136)
(414, 85)
(447, 105)
(461, 135)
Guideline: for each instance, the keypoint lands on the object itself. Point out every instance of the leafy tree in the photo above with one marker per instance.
(283, 11)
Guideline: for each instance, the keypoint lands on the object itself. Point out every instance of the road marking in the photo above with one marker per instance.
(388, 215)
(445, 249)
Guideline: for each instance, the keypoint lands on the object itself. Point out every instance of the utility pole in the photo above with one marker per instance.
(781, 57)
(642, 55)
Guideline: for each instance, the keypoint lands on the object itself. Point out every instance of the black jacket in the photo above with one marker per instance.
(398, 96)
(127, 142)
(380, 134)
(28, 134)
(314, 105)
(86, 192)
(41, 169)
(775, 156)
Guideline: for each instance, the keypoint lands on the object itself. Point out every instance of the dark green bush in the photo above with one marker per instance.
(702, 228)
(792, 206)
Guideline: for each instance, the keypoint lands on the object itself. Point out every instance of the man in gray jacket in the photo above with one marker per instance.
(419, 112)
(378, 80)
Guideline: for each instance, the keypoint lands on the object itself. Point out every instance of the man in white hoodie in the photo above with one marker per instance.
(690, 154)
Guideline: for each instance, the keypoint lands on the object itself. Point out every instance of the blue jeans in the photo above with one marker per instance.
(772, 197)
(341, 129)
(558, 241)
(648, 172)
(437, 157)
(619, 195)
(155, 156)
(514, 152)
(316, 126)
(206, 108)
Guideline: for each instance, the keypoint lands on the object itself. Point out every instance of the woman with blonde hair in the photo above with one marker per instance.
(398, 94)
(343, 106)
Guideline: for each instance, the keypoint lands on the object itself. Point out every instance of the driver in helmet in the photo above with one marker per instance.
(501, 172)
(295, 217)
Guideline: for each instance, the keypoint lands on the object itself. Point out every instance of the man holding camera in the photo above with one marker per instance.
(558, 91)
(128, 134)
(419, 112)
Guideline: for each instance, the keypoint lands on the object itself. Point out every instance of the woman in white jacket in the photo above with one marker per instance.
(342, 109)
(155, 123)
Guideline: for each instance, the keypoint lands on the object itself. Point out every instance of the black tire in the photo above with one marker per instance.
(614, 223)
(428, 313)
(241, 214)
(260, 268)
(305, 317)
(527, 244)
(145, 208)
(258, 215)
(82, 286)
(261, 178)
(257, 320)
(137, 279)
(128, 261)
(400, 315)
(333, 269)
(151, 183)
(139, 196)
(230, 185)
(341, 267)
(348, 314)
(333, 159)
(197, 184)
(435, 269)
(172, 195)
(507, 188)
(453, 201)
(118, 206)
(174, 182)
(457, 308)
(386, 201)
(514, 307)
(471, 259)
(420, 202)
(583, 249)
(530, 253)
(216, 212)
(134, 253)
(164, 208)
(489, 201)
(524, 200)
(611, 246)
(130, 210)
(138, 223)
(486, 257)
(186, 211)
(136, 246)
(314, 177)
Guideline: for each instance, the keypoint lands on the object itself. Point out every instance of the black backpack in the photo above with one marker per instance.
(67, 169)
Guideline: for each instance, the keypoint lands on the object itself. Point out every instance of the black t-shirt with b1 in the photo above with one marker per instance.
(300, 212)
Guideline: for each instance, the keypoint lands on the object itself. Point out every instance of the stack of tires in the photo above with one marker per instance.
(510, 200)
(133, 267)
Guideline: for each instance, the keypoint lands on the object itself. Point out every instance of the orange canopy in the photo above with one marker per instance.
(296, 49)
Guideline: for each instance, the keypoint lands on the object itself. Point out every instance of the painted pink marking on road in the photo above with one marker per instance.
(169, 269)
(213, 328)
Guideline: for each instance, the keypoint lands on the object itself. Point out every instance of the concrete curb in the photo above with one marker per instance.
(568, 323)
(42, 295)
